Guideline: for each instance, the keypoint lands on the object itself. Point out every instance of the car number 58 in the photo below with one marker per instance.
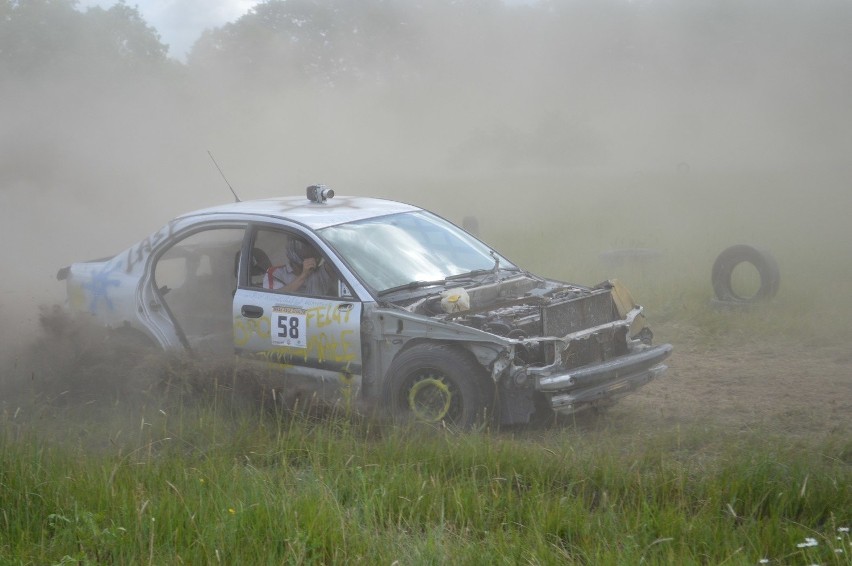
(289, 330)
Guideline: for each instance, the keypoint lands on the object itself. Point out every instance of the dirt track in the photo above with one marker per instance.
(759, 384)
(784, 388)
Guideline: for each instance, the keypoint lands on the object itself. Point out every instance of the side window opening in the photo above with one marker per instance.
(289, 257)
(196, 279)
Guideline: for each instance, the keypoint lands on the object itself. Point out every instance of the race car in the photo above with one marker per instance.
(372, 301)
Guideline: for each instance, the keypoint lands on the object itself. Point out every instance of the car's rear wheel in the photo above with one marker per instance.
(437, 384)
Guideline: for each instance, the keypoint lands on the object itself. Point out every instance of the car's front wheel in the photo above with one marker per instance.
(432, 383)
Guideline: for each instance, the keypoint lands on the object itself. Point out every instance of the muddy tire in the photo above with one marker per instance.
(437, 384)
(729, 259)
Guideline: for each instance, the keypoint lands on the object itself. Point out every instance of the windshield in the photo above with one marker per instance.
(398, 249)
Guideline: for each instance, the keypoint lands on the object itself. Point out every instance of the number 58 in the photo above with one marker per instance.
(288, 327)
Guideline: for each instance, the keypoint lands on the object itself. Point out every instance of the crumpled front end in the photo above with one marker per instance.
(590, 369)
(593, 350)
(553, 346)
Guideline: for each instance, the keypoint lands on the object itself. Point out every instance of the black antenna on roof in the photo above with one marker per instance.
(236, 198)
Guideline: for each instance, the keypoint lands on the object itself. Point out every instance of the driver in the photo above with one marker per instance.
(303, 272)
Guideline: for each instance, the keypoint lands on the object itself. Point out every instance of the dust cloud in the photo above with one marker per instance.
(568, 128)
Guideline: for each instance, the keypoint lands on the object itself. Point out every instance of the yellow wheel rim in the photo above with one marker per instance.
(429, 399)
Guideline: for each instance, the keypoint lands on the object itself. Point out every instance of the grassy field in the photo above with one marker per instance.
(732, 458)
(219, 482)
(206, 474)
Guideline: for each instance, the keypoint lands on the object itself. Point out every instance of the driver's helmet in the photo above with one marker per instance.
(298, 251)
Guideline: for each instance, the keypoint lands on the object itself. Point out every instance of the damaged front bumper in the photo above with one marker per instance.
(595, 383)
(602, 383)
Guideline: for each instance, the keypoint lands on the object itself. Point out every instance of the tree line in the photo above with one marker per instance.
(338, 43)
(93, 97)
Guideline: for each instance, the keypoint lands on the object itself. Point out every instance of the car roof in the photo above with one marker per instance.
(337, 210)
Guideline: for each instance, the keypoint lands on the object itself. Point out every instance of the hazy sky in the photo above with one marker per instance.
(180, 22)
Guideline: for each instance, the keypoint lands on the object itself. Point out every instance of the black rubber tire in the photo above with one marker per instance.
(729, 259)
(432, 365)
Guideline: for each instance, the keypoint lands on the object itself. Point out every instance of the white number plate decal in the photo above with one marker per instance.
(289, 327)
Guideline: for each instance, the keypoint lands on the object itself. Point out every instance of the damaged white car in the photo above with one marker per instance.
(369, 300)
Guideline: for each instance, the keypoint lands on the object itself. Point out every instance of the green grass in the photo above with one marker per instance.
(220, 483)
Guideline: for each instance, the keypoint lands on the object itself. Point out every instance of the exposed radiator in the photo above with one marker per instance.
(571, 315)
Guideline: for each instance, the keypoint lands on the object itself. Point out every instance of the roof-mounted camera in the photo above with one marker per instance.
(319, 193)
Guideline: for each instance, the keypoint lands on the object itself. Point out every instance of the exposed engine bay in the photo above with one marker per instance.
(527, 307)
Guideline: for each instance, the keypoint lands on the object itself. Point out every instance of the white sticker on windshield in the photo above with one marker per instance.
(289, 327)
